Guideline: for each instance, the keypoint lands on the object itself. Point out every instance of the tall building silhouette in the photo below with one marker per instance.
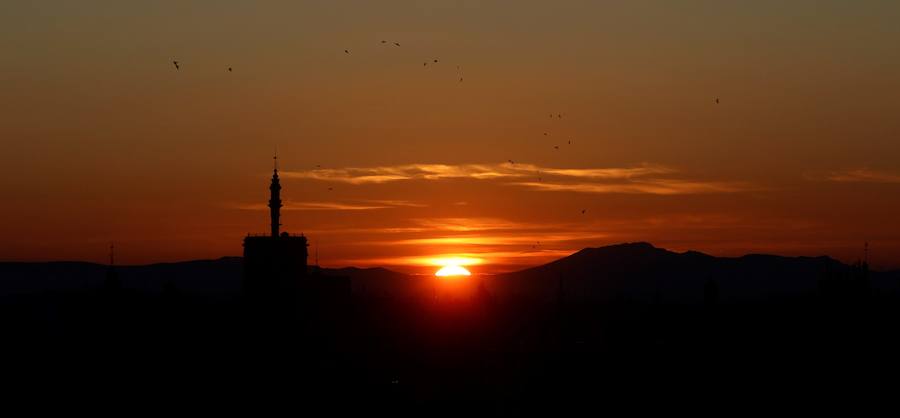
(274, 264)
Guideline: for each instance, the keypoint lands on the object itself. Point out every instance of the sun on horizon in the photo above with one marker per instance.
(452, 270)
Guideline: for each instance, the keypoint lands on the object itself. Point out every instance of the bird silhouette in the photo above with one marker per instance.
(570, 142)
(559, 116)
(460, 79)
(582, 211)
(717, 100)
(556, 147)
(176, 65)
(424, 64)
(397, 43)
(330, 189)
(435, 61)
(229, 69)
(384, 42)
(545, 134)
(510, 161)
(346, 51)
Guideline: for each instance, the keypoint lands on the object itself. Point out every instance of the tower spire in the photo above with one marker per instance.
(275, 199)
(112, 255)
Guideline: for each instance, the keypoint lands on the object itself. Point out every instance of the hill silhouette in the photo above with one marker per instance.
(640, 270)
(635, 270)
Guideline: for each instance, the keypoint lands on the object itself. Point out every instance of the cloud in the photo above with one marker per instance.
(862, 175)
(398, 203)
(516, 259)
(385, 174)
(608, 173)
(523, 241)
(377, 175)
(649, 186)
(361, 205)
(644, 178)
(471, 224)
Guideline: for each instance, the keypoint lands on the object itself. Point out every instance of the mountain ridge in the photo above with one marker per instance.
(637, 269)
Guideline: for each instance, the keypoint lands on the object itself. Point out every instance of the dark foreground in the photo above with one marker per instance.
(443, 356)
(628, 327)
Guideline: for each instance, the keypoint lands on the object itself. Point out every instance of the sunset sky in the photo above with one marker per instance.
(103, 140)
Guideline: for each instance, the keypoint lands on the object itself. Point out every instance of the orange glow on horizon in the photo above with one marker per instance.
(452, 261)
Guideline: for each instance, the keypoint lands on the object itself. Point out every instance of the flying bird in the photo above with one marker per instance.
(545, 134)
(559, 115)
(582, 211)
(435, 61)
(510, 161)
(346, 51)
(460, 79)
(229, 69)
(176, 65)
(556, 147)
(397, 43)
(717, 100)
(330, 189)
(384, 42)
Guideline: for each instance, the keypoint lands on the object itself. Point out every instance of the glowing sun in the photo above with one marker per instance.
(452, 270)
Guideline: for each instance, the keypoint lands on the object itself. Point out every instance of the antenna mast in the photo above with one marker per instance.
(112, 255)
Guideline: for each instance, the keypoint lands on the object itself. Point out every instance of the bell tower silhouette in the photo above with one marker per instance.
(275, 199)
(275, 264)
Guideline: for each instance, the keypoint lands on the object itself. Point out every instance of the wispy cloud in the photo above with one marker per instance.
(608, 173)
(862, 175)
(472, 224)
(359, 205)
(515, 259)
(523, 241)
(385, 174)
(398, 203)
(644, 178)
(646, 186)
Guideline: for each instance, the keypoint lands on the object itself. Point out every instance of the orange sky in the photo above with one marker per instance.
(103, 140)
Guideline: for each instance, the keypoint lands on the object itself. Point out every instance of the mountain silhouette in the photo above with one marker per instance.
(630, 270)
(640, 270)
